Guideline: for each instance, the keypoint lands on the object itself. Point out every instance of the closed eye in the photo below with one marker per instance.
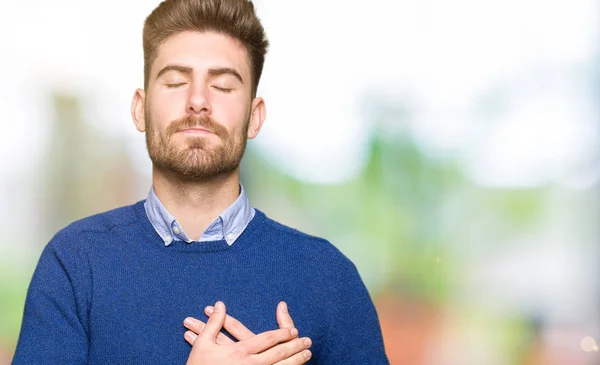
(222, 89)
(172, 86)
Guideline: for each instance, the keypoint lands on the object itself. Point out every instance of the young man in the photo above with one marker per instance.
(115, 288)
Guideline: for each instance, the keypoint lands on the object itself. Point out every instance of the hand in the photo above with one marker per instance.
(210, 347)
(240, 332)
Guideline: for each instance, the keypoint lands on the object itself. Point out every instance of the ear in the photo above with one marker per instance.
(257, 118)
(137, 110)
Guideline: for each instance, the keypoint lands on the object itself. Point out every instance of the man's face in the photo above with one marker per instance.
(198, 105)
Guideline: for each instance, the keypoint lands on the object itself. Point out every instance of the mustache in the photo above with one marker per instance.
(191, 121)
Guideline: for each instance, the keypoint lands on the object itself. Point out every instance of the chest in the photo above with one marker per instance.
(138, 308)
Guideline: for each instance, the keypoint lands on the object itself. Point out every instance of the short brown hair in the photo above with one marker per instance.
(235, 18)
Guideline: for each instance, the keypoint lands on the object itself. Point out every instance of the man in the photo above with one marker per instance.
(136, 285)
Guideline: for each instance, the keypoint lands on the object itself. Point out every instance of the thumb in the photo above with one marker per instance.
(215, 323)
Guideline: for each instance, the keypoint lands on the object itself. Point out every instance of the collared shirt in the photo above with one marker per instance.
(228, 226)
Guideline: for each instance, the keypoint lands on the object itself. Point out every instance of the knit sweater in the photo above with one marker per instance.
(106, 290)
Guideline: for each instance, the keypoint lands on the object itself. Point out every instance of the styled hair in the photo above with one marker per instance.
(235, 18)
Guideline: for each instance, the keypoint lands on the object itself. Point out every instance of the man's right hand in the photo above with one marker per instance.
(210, 347)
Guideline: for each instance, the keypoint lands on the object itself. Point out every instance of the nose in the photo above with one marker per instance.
(198, 102)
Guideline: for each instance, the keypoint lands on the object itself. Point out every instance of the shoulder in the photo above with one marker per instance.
(95, 225)
(317, 249)
(282, 232)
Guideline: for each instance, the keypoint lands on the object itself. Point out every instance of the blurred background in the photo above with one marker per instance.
(451, 149)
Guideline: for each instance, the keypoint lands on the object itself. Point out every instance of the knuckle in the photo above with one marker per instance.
(294, 347)
(299, 344)
(282, 333)
(271, 337)
(280, 354)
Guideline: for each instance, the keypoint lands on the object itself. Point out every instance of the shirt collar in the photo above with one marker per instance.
(228, 226)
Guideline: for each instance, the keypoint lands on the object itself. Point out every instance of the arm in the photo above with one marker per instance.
(52, 331)
(354, 335)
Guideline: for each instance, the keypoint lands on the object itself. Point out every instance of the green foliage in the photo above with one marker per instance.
(14, 280)
(386, 219)
(400, 220)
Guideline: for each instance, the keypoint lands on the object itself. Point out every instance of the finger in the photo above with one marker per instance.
(193, 324)
(190, 337)
(215, 323)
(233, 326)
(283, 316)
(284, 351)
(299, 358)
(268, 339)
(196, 326)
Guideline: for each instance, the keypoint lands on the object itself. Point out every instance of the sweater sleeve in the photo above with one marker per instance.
(354, 335)
(52, 331)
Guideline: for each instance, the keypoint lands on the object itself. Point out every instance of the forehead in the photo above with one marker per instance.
(202, 51)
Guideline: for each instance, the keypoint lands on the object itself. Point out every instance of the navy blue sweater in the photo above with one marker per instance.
(107, 291)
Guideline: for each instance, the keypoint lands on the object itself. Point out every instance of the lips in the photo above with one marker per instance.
(195, 130)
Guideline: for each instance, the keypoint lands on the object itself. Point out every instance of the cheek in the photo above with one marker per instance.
(163, 112)
(233, 115)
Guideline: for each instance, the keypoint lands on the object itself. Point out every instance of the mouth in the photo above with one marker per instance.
(195, 130)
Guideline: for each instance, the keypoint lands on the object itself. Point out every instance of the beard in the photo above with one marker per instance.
(196, 158)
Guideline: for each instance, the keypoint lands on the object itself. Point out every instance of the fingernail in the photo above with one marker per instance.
(307, 342)
(188, 336)
(218, 306)
(294, 332)
(307, 354)
(188, 322)
(209, 310)
(283, 307)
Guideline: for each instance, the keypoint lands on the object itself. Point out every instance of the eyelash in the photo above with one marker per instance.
(223, 89)
(173, 86)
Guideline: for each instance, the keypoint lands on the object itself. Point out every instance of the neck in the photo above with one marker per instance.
(195, 203)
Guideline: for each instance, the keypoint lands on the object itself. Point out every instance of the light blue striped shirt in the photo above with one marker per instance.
(228, 226)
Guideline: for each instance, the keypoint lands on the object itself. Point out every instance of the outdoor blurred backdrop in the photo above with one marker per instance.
(451, 149)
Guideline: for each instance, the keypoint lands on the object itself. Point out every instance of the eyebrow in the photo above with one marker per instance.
(213, 72)
(179, 68)
(225, 71)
